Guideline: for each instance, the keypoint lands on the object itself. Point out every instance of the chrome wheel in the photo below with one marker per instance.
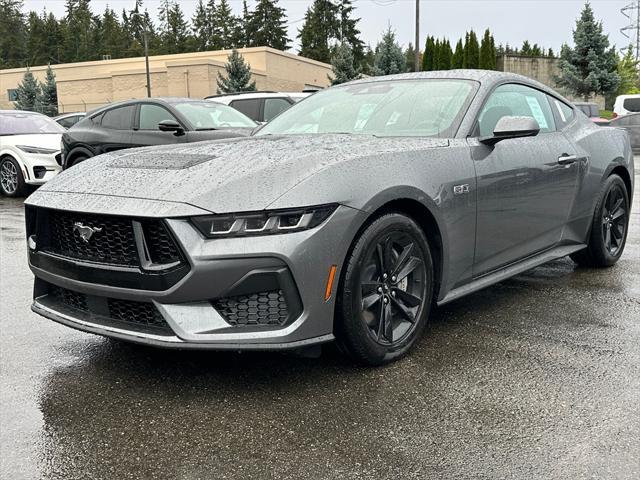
(393, 288)
(8, 177)
(614, 220)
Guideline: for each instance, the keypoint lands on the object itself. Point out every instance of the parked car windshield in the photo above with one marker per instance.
(211, 115)
(387, 108)
(27, 124)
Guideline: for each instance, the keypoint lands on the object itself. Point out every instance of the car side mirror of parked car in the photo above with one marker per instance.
(512, 127)
(171, 126)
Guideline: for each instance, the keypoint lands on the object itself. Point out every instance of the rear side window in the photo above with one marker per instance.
(519, 101)
(118, 118)
(250, 107)
(564, 111)
(274, 106)
(632, 104)
(152, 115)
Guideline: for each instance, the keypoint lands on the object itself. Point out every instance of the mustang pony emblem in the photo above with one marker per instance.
(85, 232)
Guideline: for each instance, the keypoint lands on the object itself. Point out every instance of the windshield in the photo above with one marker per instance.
(211, 115)
(408, 108)
(20, 123)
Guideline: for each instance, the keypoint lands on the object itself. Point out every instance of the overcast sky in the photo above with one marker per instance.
(546, 22)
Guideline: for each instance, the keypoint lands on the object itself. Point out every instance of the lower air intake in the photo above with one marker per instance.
(262, 308)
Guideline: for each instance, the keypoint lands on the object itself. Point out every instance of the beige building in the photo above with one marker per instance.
(87, 85)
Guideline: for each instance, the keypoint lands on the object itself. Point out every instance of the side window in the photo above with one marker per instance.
(151, 115)
(274, 106)
(632, 104)
(250, 107)
(118, 118)
(515, 100)
(564, 111)
(68, 122)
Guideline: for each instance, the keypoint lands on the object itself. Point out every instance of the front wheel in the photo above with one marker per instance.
(609, 226)
(11, 180)
(386, 291)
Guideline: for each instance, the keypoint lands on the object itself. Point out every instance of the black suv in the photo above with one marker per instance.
(151, 121)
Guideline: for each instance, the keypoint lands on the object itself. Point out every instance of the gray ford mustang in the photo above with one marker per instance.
(347, 217)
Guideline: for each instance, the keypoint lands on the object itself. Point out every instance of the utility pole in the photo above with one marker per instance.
(634, 26)
(146, 62)
(417, 45)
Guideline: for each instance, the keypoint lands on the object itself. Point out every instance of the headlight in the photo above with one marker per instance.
(262, 223)
(38, 150)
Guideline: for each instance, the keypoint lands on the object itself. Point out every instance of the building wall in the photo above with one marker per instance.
(542, 69)
(87, 85)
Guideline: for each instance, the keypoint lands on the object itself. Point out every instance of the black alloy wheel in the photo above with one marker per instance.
(392, 288)
(385, 290)
(614, 220)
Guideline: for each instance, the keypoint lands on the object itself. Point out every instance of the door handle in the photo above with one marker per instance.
(565, 159)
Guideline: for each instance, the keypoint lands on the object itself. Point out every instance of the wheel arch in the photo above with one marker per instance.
(18, 160)
(76, 152)
(623, 173)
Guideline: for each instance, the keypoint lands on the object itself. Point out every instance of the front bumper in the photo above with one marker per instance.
(296, 264)
(38, 169)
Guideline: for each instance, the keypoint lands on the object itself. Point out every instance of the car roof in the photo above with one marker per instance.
(134, 101)
(250, 95)
(21, 112)
(69, 114)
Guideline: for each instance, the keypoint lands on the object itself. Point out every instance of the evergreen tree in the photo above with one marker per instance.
(590, 67)
(536, 51)
(487, 52)
(550, 53)
(437, 47)
(49, 94)
(13, 51)
(389, 57)
(343, 65)
(628, 73)
(526, 49)
(112, 38)
(28, 93)
(226, 25)
(471, 56)
(368, 61)
(80, 32)
(200, 24)
(457, 60)
(175, 30)
(445, 56)
(268, 26)
(427, 57)
(36, 54)
(319, 28)
(238, 78)
(243, 34)
(348, 30)
(410, 58)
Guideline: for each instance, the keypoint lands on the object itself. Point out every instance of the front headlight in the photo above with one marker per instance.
(37, 150)
(268, 222)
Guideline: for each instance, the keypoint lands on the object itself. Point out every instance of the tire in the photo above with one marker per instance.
(609, 226)
(77, 160)
(395, 245)
(11, 180)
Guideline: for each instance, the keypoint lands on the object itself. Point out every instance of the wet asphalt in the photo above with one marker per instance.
(537, 377)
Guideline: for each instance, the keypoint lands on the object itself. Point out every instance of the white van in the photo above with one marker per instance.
(626, 104)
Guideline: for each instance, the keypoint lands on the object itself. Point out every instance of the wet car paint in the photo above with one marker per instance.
(536, 377)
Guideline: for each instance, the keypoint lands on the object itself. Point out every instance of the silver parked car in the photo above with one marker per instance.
(347, 217)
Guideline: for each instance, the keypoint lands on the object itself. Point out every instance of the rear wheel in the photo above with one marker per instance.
(11, 180)
(609, 226)
(386, 291)
(77, 160)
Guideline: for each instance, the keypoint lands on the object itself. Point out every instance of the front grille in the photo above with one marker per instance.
(68, 298)
(112, 241)
(140, 315)
(143, 313)
(262, 308)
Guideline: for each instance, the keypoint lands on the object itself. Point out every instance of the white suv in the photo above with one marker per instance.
(626, 104)
(260, 106)
(29, 150)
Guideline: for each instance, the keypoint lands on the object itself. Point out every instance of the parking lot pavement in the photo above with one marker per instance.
(537, 377)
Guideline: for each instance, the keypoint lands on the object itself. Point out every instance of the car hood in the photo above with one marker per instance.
(42, 140)
(240, 174)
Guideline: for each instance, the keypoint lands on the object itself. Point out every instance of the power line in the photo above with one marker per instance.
(632, 12)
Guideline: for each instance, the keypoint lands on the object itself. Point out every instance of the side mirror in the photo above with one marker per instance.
(512, 127)
(170, 126)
